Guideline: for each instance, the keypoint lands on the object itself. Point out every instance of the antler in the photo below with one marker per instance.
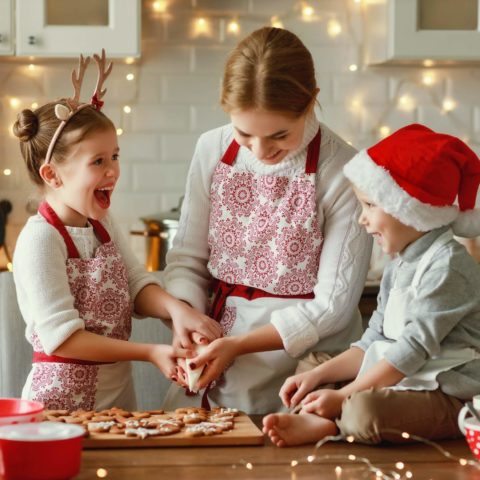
(77, 81)
(102, 76)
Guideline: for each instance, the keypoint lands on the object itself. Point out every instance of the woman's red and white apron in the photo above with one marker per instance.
(265, 245)
(100, 289)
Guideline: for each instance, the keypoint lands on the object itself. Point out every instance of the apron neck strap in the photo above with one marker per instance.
(52, 218)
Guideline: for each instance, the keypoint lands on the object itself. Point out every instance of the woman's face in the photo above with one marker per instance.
(270, 136)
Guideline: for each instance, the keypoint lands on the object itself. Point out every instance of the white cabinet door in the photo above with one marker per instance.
(6, 27)
(66, 28)
(409, 31)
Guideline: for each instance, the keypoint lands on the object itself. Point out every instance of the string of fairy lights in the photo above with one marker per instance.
(398, 471)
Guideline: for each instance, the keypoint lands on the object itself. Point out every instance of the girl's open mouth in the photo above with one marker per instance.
(102, 195)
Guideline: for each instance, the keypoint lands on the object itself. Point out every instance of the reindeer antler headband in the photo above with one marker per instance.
(65, 113)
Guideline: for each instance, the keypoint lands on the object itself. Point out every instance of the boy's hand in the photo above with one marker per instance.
(324, 402)
(186, 321)
(296, 387)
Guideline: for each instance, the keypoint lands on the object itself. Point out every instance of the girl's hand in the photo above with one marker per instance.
(181, 375)
(217, 357)
(186, 320)
(324, 402)
(164, 357)
(296, 387)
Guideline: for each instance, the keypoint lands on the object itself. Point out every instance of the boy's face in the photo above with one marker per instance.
(392, 235)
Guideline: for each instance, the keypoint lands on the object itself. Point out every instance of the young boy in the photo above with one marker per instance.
(419, 357)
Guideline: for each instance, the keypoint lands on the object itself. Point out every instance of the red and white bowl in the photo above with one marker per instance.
(40, 451)
(15, 410)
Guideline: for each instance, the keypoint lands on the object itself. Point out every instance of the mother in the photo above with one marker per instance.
(270, 223)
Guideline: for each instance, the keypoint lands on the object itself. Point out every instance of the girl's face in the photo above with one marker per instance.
(86, 179)
(392, 235)
(270, 136)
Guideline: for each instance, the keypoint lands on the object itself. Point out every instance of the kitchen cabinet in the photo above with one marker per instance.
(422, 31)
(6, 27)
(64, 28)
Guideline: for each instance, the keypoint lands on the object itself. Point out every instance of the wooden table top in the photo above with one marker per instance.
(270, 462)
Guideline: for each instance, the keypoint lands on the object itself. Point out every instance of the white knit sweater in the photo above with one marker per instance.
(39, 271)
(345, 253)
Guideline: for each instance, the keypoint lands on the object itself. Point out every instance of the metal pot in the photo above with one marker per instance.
(160, 230)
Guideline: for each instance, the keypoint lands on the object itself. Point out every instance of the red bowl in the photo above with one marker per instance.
(15, 410)
(40, 451)
(472, 435)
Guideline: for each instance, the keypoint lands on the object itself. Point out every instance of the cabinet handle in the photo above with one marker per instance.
(32, 40)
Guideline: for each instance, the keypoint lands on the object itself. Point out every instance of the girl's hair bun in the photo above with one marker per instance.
(26, 126)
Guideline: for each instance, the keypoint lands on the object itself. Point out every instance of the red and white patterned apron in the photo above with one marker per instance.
(265, 244)
(100, 289)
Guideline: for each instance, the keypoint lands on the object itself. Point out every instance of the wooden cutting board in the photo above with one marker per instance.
(245, 432)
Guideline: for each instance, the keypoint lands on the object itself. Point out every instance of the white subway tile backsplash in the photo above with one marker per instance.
(178, 147)
(364, 88)
(187, 89)
(163, 118)
(135, 146)
(165, 177)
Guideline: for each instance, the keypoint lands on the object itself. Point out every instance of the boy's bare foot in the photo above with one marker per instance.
(285, 429)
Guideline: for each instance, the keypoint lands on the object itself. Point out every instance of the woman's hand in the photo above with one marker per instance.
(296, 387)
(217, 357)
(164, 357)
(324, 402)
(186, 321)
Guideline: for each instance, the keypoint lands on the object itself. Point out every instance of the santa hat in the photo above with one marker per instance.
(422, 178)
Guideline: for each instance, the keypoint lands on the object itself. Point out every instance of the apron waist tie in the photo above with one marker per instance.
(42, 357)
(221, 291)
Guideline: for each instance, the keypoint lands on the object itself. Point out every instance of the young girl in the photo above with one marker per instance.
(269, 222)
(419, 359)
(77, 281)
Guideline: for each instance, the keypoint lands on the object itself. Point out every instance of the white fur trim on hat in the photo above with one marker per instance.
(379, 185)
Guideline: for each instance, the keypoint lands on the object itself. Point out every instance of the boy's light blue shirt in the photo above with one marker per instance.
(444, 314)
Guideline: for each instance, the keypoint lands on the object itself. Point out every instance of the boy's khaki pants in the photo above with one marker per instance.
(369, 414)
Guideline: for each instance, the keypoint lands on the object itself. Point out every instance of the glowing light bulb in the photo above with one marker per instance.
(293, 463)
(14, 102)
(406, 103)
(129, 60)
(448, 105)
(307, 12)
(119, 131)
(32, 67)
(34, 106)
(276, 22)
(385, 130)
(462, 461)
(130, 76)
(127, 108)
(7, 172)
(353, 67)
(428, 63)
(352, 457)
(310, 458)
(350, 439)
(400, 465)
(159, 6)
(409, 474)
(10, 266)
(102, 473)
(249, 466)
(405, 435)
(428, 78)
(233, 27)
(201, 27)
(334, 28)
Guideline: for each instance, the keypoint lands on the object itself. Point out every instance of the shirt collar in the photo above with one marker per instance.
(417, 248)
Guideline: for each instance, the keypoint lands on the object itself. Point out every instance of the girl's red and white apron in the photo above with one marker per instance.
(265, 245)
(100, 289)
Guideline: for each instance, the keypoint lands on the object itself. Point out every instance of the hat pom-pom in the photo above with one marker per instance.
(467, 224)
